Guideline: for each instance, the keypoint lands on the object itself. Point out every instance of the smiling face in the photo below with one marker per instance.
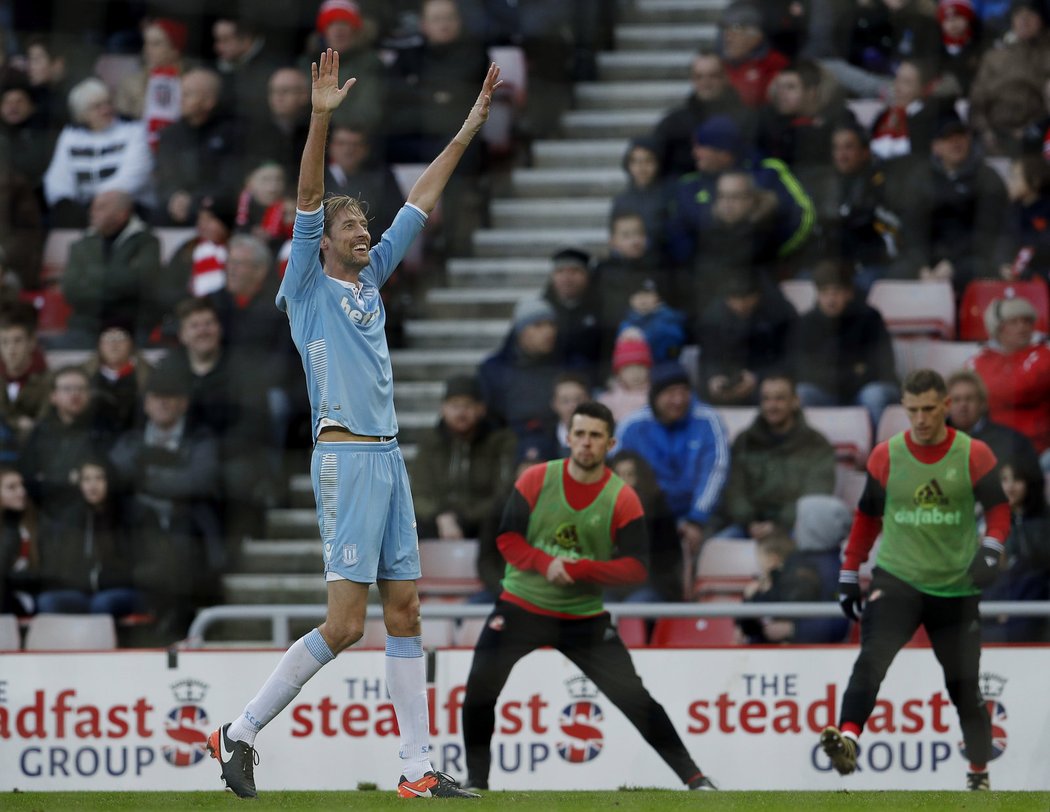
(346, 242)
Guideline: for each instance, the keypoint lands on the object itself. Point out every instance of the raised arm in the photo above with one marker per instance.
(427, 190)
(326, 96)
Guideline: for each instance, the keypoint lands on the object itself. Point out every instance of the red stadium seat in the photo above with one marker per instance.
(848, 428)
(981, 292)
(52, 309)
(736, 418)
(944, 357)
(894, 419)
(694, 632)
(802, 293)
(633, 632)
(915, 308)
(449, 567)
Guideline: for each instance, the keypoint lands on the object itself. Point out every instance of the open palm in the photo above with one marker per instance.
(327, 94)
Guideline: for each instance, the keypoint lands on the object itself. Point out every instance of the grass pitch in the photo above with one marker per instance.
(642, 800)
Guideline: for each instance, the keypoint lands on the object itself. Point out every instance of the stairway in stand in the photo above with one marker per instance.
(562, 199)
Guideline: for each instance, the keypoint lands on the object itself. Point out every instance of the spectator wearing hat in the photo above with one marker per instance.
(717, 149)
(95, 153)
(201, 154)
(743, 337)
(1015, 368)
(776, 460)
(153, 94)
(750, 61)
(198, 266)
(167, 472)
(960, 43)
(711, 95)
(112, 274)
(1007, 93)
(663, 326)
(576, 300)
(341, 26)
(954, 209)
(628, 388)
(684, 441)
(840, 352)
(517, 380)
(464, 466)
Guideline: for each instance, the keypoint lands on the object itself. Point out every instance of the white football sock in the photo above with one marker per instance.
(303, 659)
(406, 682)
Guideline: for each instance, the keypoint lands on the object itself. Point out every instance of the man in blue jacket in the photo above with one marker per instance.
(684, 441)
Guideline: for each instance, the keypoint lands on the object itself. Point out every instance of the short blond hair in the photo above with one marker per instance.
(338, 203)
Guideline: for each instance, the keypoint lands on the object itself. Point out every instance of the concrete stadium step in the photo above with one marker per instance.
(659, 37)
(434, 364)
(537, 242)
(291, 523)
(514, 271)
(624, 123)
(281, 556)
(485, 334)
(616, 66)
(614, 95)
(567, 183)
(256, 588)
(411, 396)
(474, 302)
(550, 212)
(673, 11)
(580, 153)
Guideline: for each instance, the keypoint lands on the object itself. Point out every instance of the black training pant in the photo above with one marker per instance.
(891, 616)
(594, 646)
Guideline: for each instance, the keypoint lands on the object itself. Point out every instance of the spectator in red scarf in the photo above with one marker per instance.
(905, 128)
(960, 43)
(153, 93)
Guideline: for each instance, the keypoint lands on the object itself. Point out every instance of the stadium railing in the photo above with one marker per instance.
(280, 615)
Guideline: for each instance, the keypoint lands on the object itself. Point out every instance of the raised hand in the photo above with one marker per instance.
(327, 95)
(479, 113)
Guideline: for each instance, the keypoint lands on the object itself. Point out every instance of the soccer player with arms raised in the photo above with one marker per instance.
(921, 491)
(364, 505)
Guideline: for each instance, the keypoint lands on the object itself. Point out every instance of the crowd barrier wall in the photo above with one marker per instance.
(138, 720)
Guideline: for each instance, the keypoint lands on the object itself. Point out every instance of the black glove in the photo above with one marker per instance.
(984, 568)
(849, 594)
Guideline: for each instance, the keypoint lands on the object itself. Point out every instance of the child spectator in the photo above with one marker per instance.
(628, 389)
(803, 571)
(87, 553)
(647, 193)
(960, 44)
(1025, 251)
(118, 379)
(19, 560)
(662, 325)
(199, 265)
(154, 93)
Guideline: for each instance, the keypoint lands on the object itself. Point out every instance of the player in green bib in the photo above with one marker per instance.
(570, 528)
(921, 491)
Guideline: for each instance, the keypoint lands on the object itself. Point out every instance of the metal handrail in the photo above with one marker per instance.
(281, 614)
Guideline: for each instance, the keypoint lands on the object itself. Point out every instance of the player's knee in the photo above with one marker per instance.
(340, 636)
(402, 618)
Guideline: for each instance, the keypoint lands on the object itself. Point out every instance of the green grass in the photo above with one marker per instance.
(628, 801)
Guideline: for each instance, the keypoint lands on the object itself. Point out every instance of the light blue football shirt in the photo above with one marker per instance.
(339, 329)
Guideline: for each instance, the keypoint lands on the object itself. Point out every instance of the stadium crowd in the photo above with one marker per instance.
(130, 481)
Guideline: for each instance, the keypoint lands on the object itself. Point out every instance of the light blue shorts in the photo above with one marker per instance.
(365, 512)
